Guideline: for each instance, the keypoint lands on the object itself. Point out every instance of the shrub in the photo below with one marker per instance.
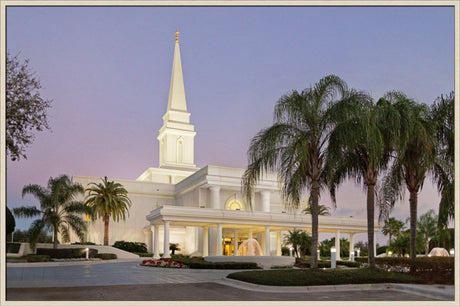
(305, 263)
(84, 243)
(67, 253)
(382, 249)
(37, 258)
(144, 254)
(106, 256)
(12, 247)
(132, 247)
(200, 263)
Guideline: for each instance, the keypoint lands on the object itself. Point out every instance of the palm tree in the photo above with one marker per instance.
(415, 152)
(443, 117)
(359, 148)
(108, 199)
(295, 146)
(58, 209)
(427, 226)
(393, 227)
(323, 210)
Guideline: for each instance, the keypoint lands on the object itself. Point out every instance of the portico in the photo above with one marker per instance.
(241, 225)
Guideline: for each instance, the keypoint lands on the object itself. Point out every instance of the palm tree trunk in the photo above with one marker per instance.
(106, 229)
(314, 224)
(370, 225)
(413, 228)
(55, 237)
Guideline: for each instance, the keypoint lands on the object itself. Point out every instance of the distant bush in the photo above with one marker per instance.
(382, 249)
(12, 247)
(37, 258)
(144, 254)
(106, 256)
(67, 253)
(305, 263)
(133, 247)
(200, 263)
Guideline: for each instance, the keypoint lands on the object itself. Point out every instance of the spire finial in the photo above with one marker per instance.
(177, 36)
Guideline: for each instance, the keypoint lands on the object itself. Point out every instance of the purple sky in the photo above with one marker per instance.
(107, 70)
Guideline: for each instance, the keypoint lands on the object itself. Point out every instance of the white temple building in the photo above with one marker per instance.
(203, 210)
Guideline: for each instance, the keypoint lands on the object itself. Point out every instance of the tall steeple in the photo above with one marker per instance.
(177, 135)
(176, 99)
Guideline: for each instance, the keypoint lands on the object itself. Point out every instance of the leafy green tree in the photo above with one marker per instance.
(173, 247)
(323, 210)
(108, 199)
(427, 226)
(25, 107)
(10, 222)
(359, 148)
(295, 145)
(415, 152)
(294, 238)
(443, 117)
(59, 210)
(393, 227)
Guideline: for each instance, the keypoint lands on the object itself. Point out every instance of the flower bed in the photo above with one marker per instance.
(163, 263)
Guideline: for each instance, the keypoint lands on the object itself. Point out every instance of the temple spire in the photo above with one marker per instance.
(176, 99)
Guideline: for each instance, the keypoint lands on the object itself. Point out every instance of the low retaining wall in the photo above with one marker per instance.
(26, 250)
(262, 261)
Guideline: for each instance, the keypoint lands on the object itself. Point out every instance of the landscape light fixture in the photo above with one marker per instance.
(390, 253)
(451, 252)
(87, 255)
(359, 250)
(290, 251)
(333, 250)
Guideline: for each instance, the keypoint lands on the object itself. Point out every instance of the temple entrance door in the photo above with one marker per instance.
(228, 246)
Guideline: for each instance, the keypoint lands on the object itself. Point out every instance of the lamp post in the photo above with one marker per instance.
(290, 252)
(359, 250)
(452, 252)
(390, 253)
(352, 257)
(317, 251)
(87, 253)
(333, 258)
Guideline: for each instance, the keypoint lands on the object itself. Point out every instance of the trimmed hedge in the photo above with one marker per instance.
(431, 264)
(200, 263)
(305, 263)
(106, 256)
(144, 254)
(67, 253)
(37, 258)
(133, 247)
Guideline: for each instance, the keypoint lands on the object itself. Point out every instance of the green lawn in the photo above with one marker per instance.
(307, 277)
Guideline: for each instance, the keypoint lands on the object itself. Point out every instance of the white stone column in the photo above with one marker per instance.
(156, 241)
(352, 246)
(151, 233)
(267, 241)
(278, 243)
(265, 199)
(205, 241)
(235, 244)
(215, 197)
(219, 239)
(337, 244)
(166, 240)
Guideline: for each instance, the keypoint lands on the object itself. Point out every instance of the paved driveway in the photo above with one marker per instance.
(102, 274)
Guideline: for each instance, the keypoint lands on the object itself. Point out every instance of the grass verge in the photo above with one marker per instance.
(322, 277)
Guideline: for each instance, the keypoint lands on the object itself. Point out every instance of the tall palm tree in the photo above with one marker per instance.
(415, 152)
(359, 148)
(108, 199)
(427, 226)
(295, 146)
(58, 209)
(443, 117)
(393, 227)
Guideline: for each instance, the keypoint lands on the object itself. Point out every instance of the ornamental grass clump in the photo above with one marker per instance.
(163, 263)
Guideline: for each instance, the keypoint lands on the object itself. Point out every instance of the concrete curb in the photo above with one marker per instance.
(438, 292)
